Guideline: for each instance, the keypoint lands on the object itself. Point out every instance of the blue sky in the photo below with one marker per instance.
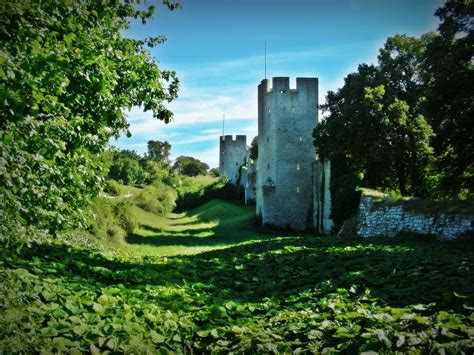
(217, 49)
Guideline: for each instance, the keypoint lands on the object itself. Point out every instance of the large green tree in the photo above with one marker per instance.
(450, 96)
(375, 120)
(67, 74)
(190, 166)
(159, 151)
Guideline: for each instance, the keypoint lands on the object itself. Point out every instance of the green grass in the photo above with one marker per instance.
(210, 281)
(216, 225)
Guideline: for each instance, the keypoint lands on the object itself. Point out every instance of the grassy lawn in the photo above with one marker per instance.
(215, 225)
(210, 280)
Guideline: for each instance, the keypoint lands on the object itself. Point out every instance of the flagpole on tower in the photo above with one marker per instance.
(223, 125)
(265, 59)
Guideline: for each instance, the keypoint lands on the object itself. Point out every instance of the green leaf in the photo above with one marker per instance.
(157, 338)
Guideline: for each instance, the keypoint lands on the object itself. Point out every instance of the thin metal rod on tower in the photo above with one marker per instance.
(223, 124)
(265, 59)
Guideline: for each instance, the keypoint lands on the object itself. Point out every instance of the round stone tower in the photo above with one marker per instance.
(286, 120)
(232, 155)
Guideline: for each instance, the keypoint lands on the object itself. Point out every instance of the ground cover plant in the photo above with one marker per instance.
(239, 289)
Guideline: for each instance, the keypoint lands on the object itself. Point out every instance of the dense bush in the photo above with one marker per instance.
(67, 75)
(192, 195)
(157, 198)
(113, 188)
(112, 219)
(344, 197)
(123, 211)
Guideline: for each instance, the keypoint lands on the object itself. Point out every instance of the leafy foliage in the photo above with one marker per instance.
(190, 166)
(267, 294)
(344, 195)
(192, 194)
(375, 120)
(214, 172)
(389, 120)
(159, 151)
(450, 95)
(113, 188)
(66, 74)
(112, 220)
(254, 148)
(157, 198)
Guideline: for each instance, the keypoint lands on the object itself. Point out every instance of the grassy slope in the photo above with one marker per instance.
(215, 225)
(240, 288)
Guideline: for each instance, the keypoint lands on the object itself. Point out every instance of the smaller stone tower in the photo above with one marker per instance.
(232, 155)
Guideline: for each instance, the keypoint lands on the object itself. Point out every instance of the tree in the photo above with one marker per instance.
(254, 148)
(450, 96)
(67, 74)
(153, 171)
(159, 151)
(214, 172)
(129, 171)
(190, 166)
(376, 120)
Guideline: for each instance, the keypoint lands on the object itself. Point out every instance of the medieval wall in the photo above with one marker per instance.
(286, 119)
(391, 220)
(322, 222)
(250, 182)
(232, 155)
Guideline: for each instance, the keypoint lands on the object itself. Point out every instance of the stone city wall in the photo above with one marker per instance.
(373, 220)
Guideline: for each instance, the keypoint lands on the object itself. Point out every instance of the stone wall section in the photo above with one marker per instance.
(322, 221)
(250, 182)
(391, 220)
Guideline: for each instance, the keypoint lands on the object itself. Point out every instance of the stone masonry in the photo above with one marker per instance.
(390, 220)
(232, 156)
(286, 120)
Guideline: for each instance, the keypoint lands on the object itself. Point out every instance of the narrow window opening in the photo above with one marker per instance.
(297, 190)
(268, 139)
(298, 167)
(236, 163)
(268, 166)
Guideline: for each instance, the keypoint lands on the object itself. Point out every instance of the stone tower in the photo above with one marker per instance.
(232, 155)
(286, 119)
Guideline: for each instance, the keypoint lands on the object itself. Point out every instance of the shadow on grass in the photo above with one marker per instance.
(398, 271)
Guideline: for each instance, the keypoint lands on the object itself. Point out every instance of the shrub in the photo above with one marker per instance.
(194, 195)
(113, 188)
(113, 220)
(123, 211)
(157, 198)
(345, 198)
(104, 224)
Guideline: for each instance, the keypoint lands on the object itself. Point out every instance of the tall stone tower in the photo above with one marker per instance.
(232, 155)
(286, 119)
